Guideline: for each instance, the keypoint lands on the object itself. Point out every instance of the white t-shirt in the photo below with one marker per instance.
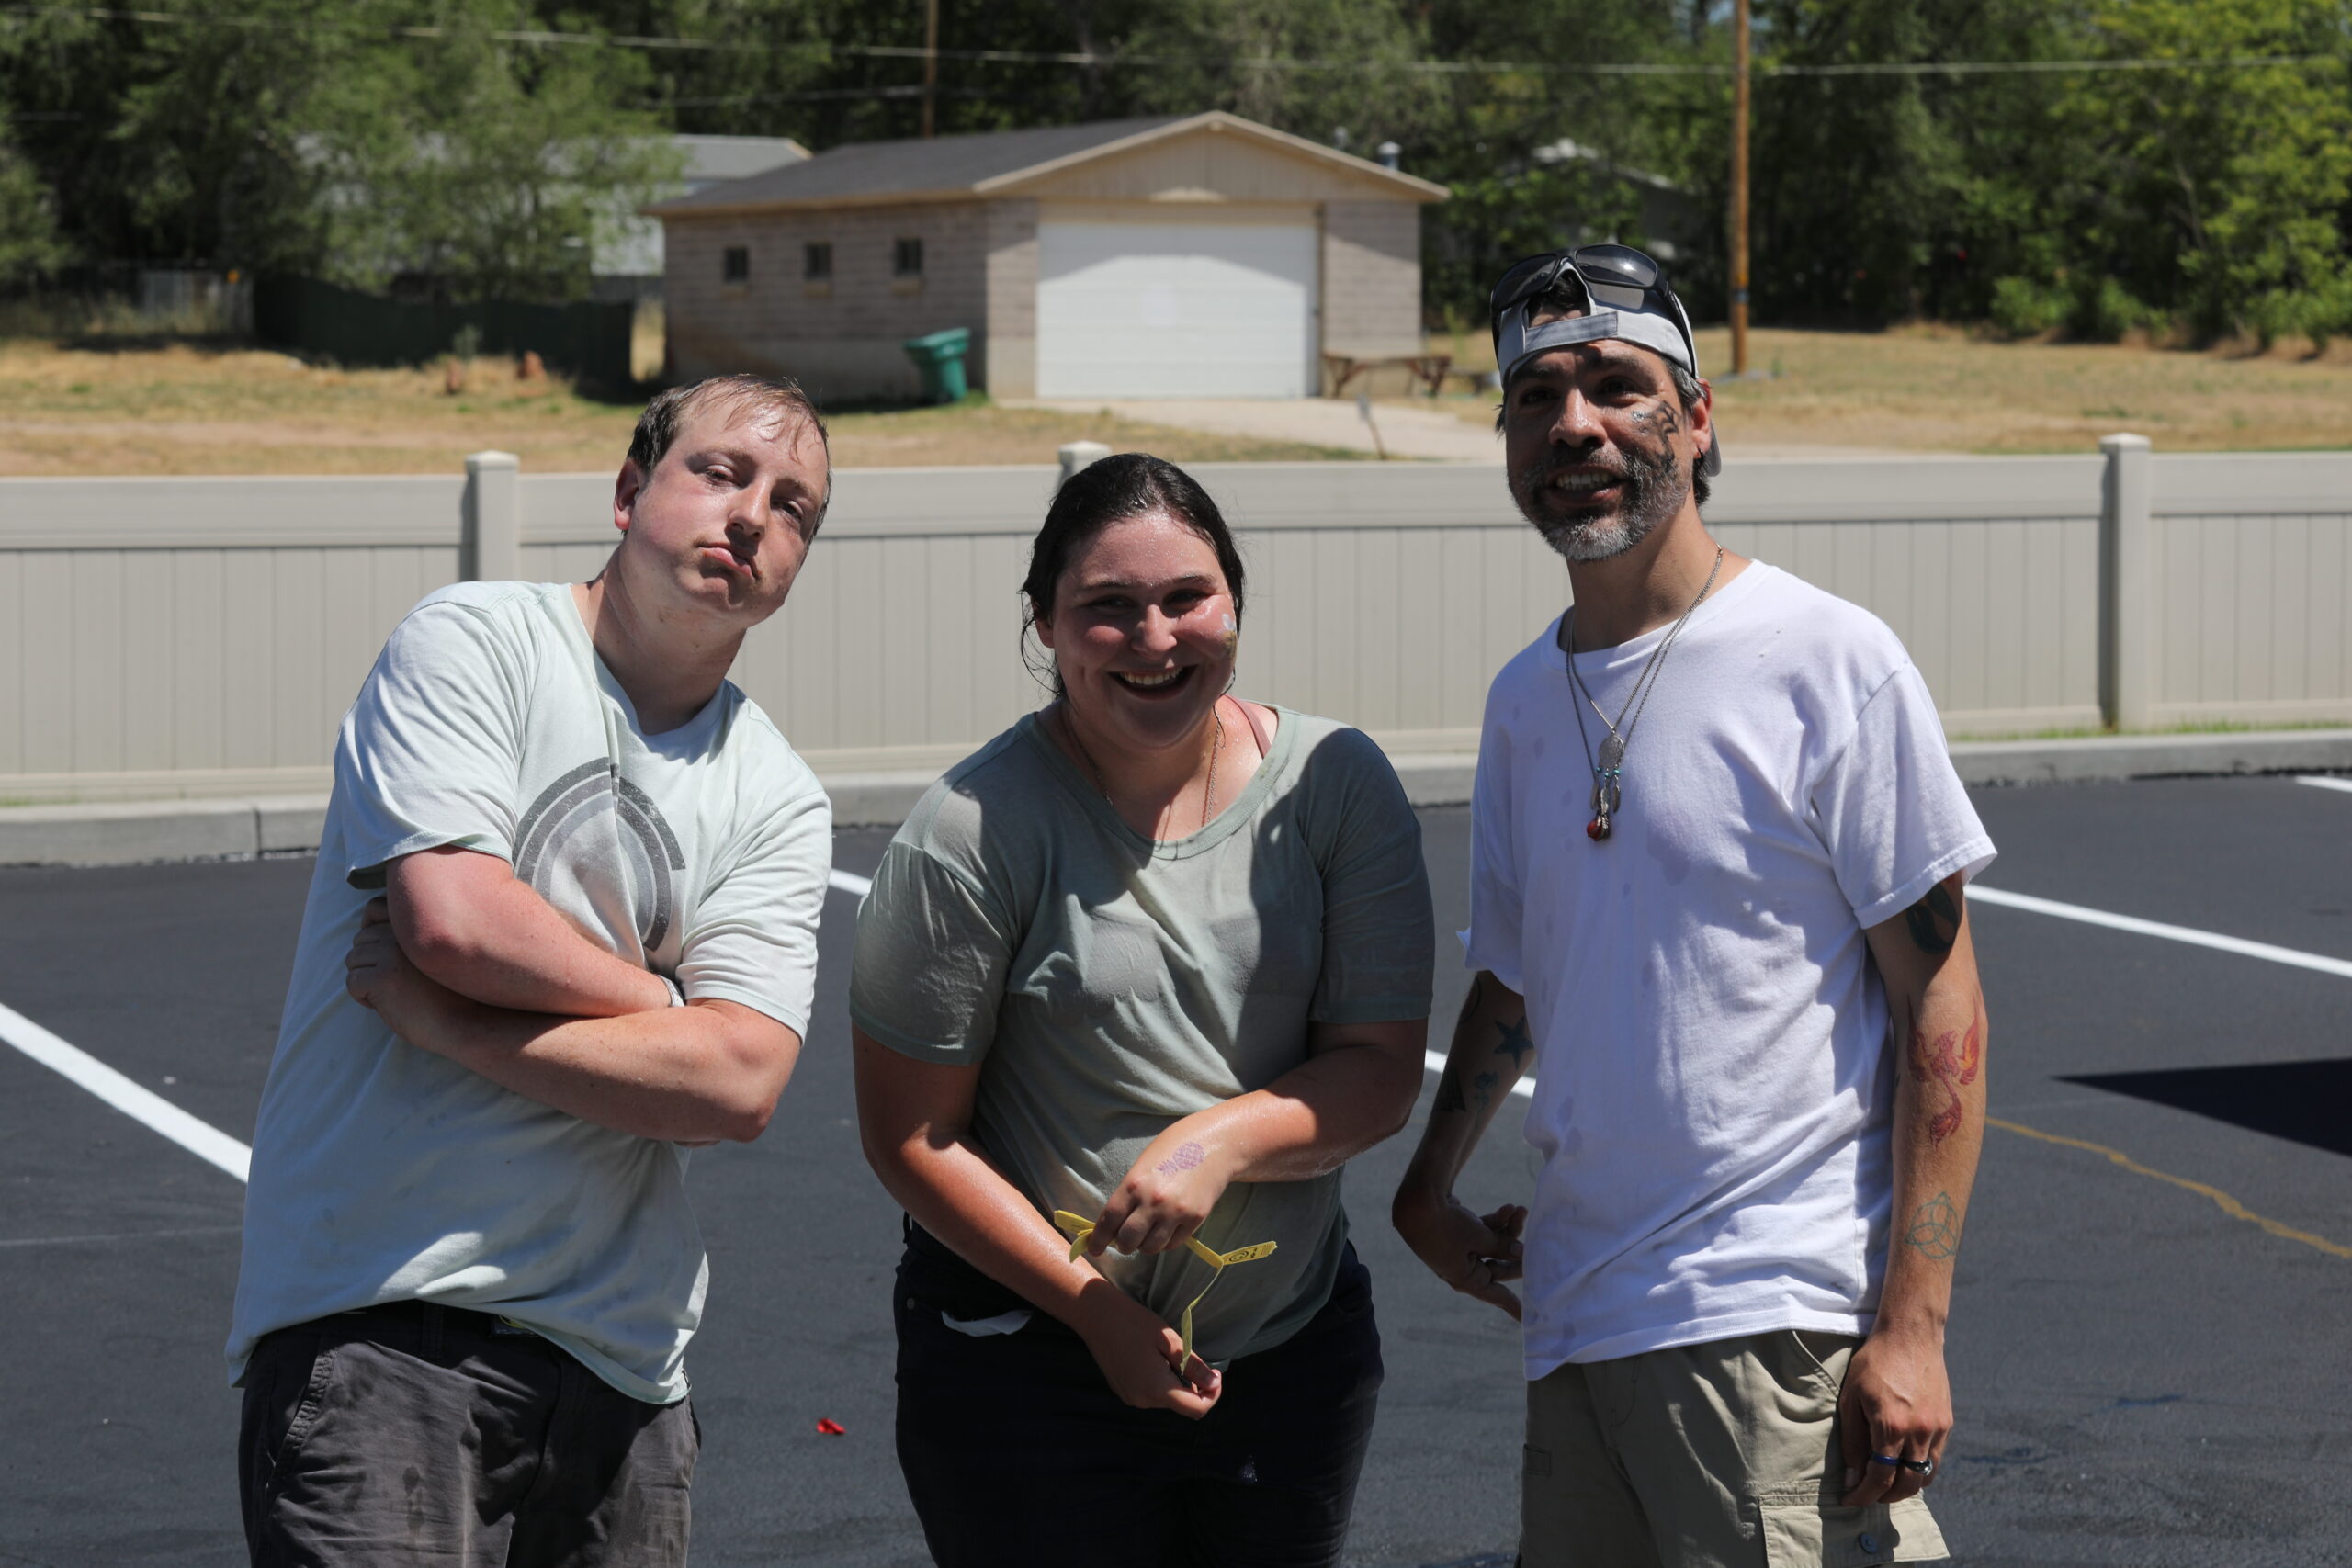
(382, 1172)
(1714, 1086)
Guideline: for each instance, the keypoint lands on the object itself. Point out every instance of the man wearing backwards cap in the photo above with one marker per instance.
(1716, 906)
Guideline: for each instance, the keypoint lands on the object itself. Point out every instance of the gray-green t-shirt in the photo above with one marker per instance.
(1109, 984)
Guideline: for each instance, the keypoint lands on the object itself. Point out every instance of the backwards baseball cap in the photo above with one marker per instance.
(1558, 297)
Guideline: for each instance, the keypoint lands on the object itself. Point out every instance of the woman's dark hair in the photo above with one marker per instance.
(1112, 490)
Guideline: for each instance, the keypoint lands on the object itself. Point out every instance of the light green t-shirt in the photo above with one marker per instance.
(382, 1172)
(1108, 984)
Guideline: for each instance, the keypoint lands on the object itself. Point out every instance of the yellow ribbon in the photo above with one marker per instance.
(1081, 1230)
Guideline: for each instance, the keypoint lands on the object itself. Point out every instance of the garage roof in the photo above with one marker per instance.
(945, 168)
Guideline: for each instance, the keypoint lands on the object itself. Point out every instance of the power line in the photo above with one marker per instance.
(549, 39)
(1990, 67)
(817, 95)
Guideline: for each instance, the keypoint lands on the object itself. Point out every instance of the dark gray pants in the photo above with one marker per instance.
(413, 1434)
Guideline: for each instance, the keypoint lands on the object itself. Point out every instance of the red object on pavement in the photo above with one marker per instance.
(830, 1427)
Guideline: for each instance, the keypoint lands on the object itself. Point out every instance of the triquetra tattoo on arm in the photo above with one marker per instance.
(1935, 1229)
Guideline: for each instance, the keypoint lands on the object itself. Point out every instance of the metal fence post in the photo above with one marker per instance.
(2126, 647)
(492, 549)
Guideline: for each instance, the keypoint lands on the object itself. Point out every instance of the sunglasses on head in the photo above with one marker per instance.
(1614, 277)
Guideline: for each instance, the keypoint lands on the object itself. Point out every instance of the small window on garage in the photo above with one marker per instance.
(906, 258)
(816, 261)
(735, 265)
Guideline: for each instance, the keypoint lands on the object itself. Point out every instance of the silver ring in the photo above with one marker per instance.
(1922, 1468)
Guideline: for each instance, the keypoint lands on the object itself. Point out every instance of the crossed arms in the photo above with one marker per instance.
(461, 959)
(1896, 1399)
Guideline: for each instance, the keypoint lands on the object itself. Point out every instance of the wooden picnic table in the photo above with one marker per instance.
(1426, 367)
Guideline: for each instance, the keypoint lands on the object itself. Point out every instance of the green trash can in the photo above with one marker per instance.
(939, 358)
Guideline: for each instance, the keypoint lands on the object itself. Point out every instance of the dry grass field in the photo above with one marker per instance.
(183, 409)
(1933, 389)
(123, 406)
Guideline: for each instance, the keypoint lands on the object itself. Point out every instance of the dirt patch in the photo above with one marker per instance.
(189, 408)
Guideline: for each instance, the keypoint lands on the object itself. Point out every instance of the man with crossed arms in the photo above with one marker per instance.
(1717, 863)
(563, 927)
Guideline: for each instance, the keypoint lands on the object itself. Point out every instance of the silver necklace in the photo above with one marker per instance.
(1217, 744)
(1608, 772)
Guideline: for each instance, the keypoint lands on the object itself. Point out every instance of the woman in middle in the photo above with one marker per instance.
(1156, 961)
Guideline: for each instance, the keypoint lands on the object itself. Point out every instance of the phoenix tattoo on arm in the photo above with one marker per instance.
(1951, 1059)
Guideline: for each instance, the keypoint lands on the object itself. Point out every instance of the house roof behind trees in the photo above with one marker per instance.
(712, 160)
(962, 167)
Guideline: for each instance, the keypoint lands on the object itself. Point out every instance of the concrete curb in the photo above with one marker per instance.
(130, 832)
(123, 832)
(2153, 756)
(1438, 779)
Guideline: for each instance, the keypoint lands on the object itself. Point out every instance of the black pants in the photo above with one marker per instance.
(1018, 1455)
(411, 1435)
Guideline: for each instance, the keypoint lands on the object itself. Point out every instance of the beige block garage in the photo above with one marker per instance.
(1200, 256)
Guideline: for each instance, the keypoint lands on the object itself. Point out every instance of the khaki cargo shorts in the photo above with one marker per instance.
(1705, 1456)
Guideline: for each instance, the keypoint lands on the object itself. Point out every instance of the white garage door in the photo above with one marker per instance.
(1176, 309)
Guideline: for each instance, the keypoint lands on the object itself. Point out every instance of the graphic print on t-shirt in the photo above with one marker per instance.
(639, 861)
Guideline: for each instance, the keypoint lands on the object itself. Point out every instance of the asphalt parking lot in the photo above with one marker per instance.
(2151, 1341)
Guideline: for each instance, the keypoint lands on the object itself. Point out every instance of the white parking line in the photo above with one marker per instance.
(2317, 783)
(200, 1139)
(1435, 1062)
(210, 1143)
(120, 1235)
(142, 1104)
(1979, 894)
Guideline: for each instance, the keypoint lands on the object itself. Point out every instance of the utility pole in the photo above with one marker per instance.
(1738, 187)
(930, 66)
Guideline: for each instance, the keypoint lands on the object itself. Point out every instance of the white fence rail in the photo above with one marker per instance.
(193, 636)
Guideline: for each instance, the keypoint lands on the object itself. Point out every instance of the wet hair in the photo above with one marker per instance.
(777, 396)
(1686, 386)
(1112, 490)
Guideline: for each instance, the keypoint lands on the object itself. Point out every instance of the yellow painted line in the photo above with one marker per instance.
(2221, 1200)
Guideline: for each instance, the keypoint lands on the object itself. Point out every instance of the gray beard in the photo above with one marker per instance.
(1655, 490)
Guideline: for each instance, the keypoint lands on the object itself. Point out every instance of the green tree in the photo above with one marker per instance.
(209, 154)
(484, 168)
(1878, 196)
(1489, 137)
(275, 135)
(2219, 194)
(280, 134)
(28, 239)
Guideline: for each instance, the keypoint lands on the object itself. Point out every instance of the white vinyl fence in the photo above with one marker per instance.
(202, 637)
